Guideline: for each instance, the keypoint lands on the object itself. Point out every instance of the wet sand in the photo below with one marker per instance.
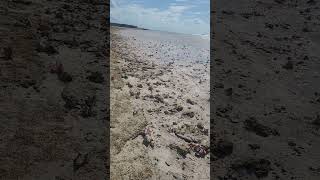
(159, 105)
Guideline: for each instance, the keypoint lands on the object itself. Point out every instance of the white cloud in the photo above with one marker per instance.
(171, 19)
(178, 9)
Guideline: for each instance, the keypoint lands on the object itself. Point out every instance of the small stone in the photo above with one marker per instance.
(146, 142)
(129, 85)
(159, 99)
(182, 152)
(190, 101)
(189, 114)
(131, 93)
(179, 108)
(200, 126)
(200, 151)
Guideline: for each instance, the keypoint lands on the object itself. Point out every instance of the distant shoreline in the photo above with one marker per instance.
(202, 36)
(126, 26)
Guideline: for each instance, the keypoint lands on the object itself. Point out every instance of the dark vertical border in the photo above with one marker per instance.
(264, 119)
(54, 89)
(212, 21)
(107, 48)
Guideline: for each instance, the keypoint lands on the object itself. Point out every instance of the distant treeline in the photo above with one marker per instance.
(125, 25)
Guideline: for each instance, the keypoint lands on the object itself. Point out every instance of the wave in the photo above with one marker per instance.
(203, 36)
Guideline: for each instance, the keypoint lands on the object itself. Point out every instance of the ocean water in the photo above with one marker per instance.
(167, 47)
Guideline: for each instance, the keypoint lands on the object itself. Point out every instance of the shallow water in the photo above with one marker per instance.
(167, 47)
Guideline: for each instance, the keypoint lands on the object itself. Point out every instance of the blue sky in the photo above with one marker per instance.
(181, 16)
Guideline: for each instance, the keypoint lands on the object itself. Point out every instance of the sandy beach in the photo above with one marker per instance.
(159, 105)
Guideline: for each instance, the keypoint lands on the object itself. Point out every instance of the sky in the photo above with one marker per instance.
(181, 16)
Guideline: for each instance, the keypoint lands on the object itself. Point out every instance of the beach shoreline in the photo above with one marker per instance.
(164, 113)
